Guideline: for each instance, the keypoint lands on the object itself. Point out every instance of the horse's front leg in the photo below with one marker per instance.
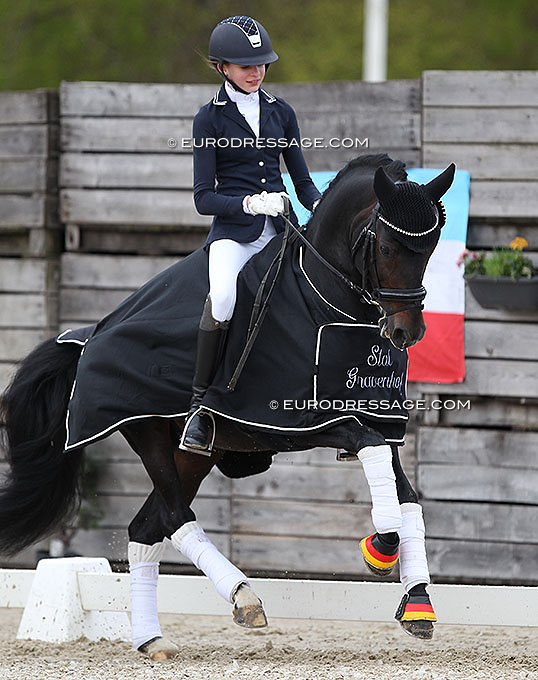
(380, 551)
(415, 612)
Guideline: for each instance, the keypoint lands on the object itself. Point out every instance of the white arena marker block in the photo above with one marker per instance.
(54, 610)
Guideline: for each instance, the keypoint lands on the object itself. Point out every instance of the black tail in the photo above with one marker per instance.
(42, 487)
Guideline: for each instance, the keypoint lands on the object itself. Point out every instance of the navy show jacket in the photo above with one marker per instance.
(241, 165)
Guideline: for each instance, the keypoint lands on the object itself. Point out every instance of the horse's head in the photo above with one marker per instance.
(392, 251)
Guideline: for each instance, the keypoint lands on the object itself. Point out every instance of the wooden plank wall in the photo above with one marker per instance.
(125, 189)
(30, 237)
(476, 468)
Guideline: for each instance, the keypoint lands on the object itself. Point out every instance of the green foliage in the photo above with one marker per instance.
(165, 40)
(500, 262)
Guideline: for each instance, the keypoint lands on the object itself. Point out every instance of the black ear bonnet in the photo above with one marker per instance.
(415, 220)
(413, 213)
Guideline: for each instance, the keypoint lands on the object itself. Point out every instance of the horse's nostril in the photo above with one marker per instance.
(400, 337)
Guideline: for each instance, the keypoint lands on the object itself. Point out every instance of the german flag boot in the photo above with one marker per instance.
(380, 554)
(415, 614)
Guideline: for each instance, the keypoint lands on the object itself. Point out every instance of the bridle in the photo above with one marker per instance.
(371, 290)
(372, 294)
(367, 240)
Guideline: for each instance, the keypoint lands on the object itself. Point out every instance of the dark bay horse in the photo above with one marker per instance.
(369, 242)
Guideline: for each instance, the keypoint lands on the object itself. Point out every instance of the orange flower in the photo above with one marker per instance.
(519, 243)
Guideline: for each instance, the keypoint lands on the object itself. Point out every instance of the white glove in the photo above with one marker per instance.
(267, 204)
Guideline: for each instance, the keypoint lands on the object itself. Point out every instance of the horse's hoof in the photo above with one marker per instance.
(419, 629)
(373, 554)
(159, 649)
(250, 616)
(248, 608)
(416, 616)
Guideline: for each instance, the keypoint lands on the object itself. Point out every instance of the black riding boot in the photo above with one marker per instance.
(198, 433)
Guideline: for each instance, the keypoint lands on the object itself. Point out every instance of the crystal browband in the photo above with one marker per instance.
(409, 233)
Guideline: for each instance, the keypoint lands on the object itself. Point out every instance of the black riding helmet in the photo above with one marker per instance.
(240, 40)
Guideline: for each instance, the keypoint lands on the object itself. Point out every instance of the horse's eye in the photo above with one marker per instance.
(384, 250)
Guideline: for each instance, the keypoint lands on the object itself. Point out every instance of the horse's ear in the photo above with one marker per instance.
(384, 187)
(440, 184)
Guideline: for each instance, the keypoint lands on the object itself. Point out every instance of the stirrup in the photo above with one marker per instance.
(379, 558)
(206, 450)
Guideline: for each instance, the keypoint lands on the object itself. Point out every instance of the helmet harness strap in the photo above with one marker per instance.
(219, 66)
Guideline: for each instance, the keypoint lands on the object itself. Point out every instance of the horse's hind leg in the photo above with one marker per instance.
(145, 551)
(248, 609)
(161, 514)
(415, 612)
(169, 515)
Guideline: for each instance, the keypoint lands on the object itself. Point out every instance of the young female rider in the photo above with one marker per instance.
(238, 139)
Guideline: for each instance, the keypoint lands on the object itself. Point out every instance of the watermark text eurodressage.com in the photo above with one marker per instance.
(370, 404)
(189, 143)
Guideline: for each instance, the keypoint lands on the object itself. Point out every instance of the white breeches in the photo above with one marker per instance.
(226, 259)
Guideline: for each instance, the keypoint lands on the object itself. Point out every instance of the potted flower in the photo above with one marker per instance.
(503, 278)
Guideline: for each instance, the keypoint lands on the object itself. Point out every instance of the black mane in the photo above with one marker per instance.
(361, 171)
(367, 165)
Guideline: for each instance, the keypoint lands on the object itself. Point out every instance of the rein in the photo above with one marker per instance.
(414, 296)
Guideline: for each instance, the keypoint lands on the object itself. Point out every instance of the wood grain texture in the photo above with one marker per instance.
(482, 562)
(302, 519)
(495, 522)
(29, 275)
(31, 106)
(480, 88)
(28, 310)
(509, 199)
(28, 140)
(118, 511)
(146, 135)
(496, 412)
(437, 481)
(491, 339)
(78, 305)
(117, 170)
(16, 343)
(306, 482)
(93, 98)
(489, 233)
(139, 240)
(130, 207)
(28, 175)
(110, 271)
(486, 161)
(492, 377)
(300, 554)
(482, 447)
(130, 478)
(500, 125)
